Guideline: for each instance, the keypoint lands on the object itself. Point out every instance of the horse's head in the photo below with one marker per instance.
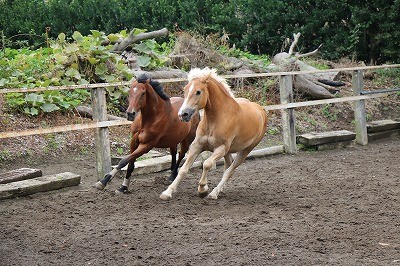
(136, 99)
(196, 94)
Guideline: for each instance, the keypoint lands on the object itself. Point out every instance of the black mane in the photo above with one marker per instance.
(158, 88)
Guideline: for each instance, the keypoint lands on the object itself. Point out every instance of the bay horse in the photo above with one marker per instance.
(155, 125)
(229, 125)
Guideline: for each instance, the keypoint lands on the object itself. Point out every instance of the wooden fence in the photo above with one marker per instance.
(98, 96)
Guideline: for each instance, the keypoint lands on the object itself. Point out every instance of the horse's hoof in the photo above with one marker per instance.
(202, 190)
(121, 190)
(202, 194)
(166, 195)
(212, 196)
(99, 185)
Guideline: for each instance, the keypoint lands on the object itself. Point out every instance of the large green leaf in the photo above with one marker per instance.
(31, 111)
(49, 107)
(143, 60)
(101, 69)
(34, 99)
(77, 36)
(143, 48)
(73, 73)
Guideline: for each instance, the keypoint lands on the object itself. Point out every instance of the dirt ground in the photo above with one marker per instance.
(337, 207)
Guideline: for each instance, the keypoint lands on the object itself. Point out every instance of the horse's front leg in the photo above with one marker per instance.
(130, 161)
(125, 184)
(207, 165)
(100, 185)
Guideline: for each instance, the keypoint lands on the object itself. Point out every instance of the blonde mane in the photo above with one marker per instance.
(207, 73)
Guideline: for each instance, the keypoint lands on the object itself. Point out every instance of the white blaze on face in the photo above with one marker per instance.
(186, 99)
(130, 109)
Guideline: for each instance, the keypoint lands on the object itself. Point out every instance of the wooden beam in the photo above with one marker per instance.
(19, 174)
(38, 184)
(325, 101)
(101, 135)
(39, 131)
(288, 121)
(359, 109)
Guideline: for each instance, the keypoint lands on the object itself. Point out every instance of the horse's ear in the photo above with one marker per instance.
(134, 83)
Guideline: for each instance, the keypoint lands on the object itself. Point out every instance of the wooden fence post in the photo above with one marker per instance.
(101, 135)
(288, 122)
(359, 109)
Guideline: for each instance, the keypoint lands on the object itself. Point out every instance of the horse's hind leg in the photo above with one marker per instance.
(174, 164)
(125, 184)
(240, 157)
(207, 165)
(193, 153)
(228, 159)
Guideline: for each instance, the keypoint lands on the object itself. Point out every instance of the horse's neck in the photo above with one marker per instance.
(154, 106)
(219, 102)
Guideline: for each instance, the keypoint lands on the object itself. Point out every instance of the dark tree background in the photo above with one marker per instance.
(362, 30)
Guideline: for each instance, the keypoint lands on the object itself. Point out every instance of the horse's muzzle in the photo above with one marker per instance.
(186, 114)
(131, 116)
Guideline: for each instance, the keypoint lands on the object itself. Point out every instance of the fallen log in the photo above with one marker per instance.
(317, 86)
(133, 38)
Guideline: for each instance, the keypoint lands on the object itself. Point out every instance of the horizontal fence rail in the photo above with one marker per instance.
(58, 129)
(173, 80)
(24, 133)
(325, 101)
(379, 91)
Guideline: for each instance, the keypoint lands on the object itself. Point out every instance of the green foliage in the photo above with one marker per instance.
(69, 61)
(364, 30)
(387, 76)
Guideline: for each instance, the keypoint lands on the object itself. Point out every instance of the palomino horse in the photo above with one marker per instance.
(229, 125)
(155, 124)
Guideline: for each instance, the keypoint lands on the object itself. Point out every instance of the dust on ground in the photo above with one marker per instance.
(336, 207)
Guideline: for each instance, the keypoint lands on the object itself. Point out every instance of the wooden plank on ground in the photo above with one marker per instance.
(384, 134)
(19, 174)
(313, 139)
(39, 184)
(382, 125)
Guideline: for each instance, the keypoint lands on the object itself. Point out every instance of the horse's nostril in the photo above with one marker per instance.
(131, 116)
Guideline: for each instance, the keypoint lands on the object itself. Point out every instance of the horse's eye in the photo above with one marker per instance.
(198, 92)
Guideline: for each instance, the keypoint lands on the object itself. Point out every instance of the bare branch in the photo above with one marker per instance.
(132, 38)
(296, 37)
(297, 55)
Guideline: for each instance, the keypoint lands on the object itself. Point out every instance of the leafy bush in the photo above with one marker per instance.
(69, 61)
